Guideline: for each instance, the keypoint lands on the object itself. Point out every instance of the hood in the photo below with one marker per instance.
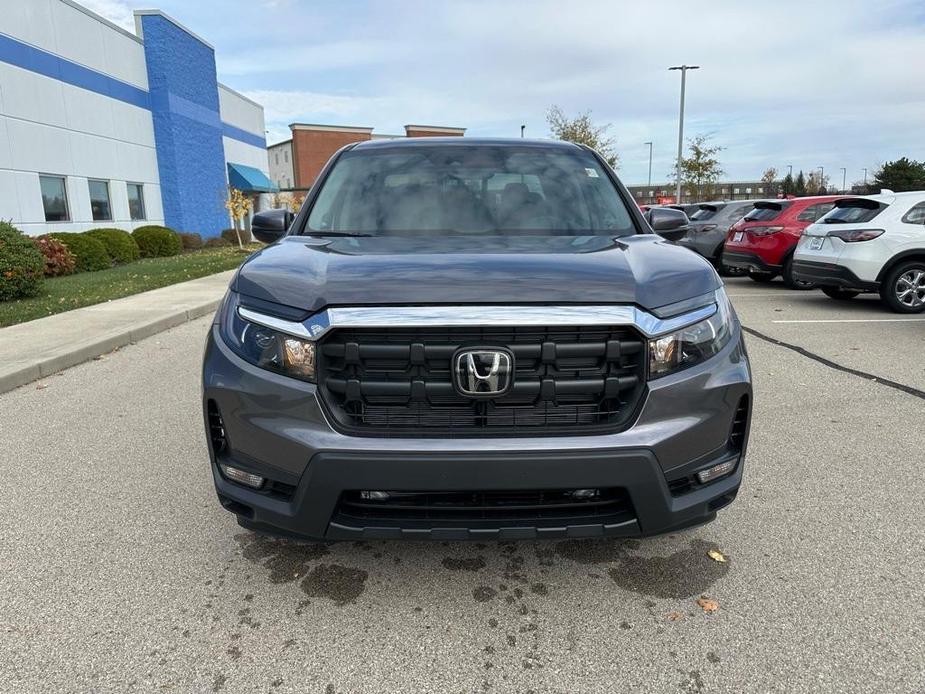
(311, 273)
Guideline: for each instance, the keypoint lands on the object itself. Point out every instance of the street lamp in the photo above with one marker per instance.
(650, 162)
(865, 176)
(522, 128)
(790, 170)
(844, 179)
(683, 69)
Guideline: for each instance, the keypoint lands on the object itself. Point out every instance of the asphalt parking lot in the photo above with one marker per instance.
(120, 572)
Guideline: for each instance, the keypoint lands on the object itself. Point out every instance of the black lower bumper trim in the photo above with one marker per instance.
(830, 275)
(748, 261)
(312, 512)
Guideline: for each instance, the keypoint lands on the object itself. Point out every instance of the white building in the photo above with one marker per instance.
(102, 127)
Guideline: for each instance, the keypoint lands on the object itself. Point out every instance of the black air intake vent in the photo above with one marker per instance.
(739, 425)
(216, 429)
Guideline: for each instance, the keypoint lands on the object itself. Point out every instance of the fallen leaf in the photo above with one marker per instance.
(674, 616)
(707, 604)
(41, 386)
(716, 555)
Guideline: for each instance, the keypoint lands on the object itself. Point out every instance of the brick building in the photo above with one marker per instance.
(296, 162)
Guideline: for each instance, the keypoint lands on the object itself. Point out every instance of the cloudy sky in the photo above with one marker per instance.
(833, 84)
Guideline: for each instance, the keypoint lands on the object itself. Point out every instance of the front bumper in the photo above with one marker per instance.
(830, 275)
(275, 428)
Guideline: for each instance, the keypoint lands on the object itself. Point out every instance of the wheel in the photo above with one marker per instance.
(839, 293)
(903, 289)
(763, 277)
(791, 281)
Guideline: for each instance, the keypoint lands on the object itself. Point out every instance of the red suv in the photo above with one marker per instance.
(764, 240)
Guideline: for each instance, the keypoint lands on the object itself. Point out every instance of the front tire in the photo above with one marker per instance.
(791, 281)
(840, 293)
(903, 289)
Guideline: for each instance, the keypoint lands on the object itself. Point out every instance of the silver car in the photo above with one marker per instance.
(709, 225)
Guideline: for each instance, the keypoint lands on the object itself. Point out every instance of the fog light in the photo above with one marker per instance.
(374, 496)
(585, 493)
(242, 477)
(711, 473)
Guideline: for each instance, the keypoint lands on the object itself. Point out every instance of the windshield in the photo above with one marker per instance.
(466, 190)
(852, 213)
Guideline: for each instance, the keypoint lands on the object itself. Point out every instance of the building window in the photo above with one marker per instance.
(748, 191)
(54, 198)
(99, 201)
(735, 191)
(760, 190)
(136, 201)
(286, 155)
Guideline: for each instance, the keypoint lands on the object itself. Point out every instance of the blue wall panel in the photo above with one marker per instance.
(187, 127)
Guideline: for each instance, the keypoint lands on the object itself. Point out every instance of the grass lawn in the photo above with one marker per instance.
(87, 288)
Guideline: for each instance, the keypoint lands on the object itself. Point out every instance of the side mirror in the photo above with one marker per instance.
(271, 225)
(668, 223)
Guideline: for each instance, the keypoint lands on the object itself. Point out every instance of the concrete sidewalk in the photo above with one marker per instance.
(39, 348)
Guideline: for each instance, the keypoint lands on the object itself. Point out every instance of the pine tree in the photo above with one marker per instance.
(800, 188)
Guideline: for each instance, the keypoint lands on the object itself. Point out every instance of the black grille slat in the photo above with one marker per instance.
(502, 507)
(398, 381)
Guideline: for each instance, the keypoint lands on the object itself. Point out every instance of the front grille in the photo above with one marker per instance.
(501, 508)
(399, 381)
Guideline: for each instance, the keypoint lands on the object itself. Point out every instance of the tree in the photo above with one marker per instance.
(582, 130)
(902, 174)
(799, 189)
(817, 184)
(768, 178)
(787, 186)
(701, 169)
(238, 205)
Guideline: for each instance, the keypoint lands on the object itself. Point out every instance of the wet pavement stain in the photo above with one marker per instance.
(679, 575)
(341, 584)
(594, 551)
(463, 564)
(484, 593)
(286, 560)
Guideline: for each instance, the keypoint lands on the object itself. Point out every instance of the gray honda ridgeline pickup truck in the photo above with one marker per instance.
(462, 338)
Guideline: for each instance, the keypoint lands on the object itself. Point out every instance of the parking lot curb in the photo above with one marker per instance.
(107, 327)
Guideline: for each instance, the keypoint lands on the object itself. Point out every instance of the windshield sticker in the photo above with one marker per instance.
(592, 173)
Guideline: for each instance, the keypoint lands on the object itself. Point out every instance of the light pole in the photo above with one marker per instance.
(865, 177)
(821, 176)
(683, 69)
(844, 179)
(650, 162)
(790, 170)
(522, 128)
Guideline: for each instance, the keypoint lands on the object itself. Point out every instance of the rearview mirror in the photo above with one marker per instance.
(271, 225)
(668, 223)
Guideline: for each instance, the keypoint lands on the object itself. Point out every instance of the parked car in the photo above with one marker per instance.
(869, 244)
(709, 225)
(687, 208)
(764, 240)
(471, 338)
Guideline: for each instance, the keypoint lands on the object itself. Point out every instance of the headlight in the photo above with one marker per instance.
(267, 348)
(693, 344)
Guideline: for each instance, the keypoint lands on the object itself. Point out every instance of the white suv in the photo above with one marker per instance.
(873, 243)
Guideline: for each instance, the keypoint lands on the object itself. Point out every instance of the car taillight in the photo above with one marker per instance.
(763, 231)
(855, 235)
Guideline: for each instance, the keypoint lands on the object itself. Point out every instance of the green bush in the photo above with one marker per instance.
(89, 253)
(119, 244)
(22, 267)
(156, 241)
(218, 242)
(58, 259)
(190, 242)
(232, 238)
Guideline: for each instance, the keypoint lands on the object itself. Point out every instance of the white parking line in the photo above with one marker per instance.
(855, 320)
